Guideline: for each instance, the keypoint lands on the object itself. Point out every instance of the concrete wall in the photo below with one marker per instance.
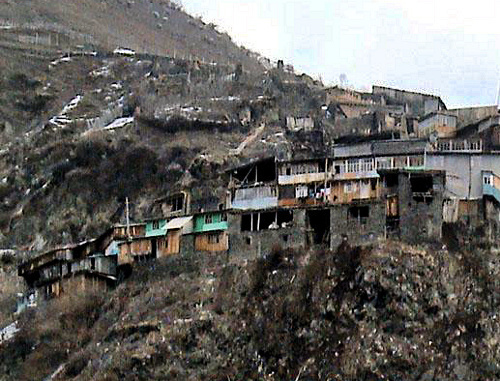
(463, 172)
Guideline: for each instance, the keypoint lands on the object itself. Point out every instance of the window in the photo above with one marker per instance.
(348, 188)
(223, 217)
(487, 180)
(360, 213)
(301, 191)
(289, 171)
(177, 203)
(156, 225)
(208, 219)
(165, 243)
(246, 222)
(248, 240)
(213, 239)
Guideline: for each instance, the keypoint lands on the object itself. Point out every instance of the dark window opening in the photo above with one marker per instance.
(154, 248)
(263, 171)
(391, 180)
(319, 222)
(285, 218)
(223, 217)
(156, 225)
(285, 237)
(248, 240)
(373, 183)
(213, 239)
(289, 171)
(177, 202)
(321, 166)
(421, 184)
(246, 222)
(337, 169)
(221, 206)
(287, 192)
(267, 221)
(392, 224)
(92, 263)
(360, 213)
(68, 267)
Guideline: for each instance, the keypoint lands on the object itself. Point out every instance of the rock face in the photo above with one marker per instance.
(392, 312)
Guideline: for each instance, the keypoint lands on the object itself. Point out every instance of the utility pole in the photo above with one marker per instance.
(128, 217)
(498, 95)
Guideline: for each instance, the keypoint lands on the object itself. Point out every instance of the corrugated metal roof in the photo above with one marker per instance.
(178, 223)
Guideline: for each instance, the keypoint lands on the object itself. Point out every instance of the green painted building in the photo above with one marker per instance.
(156, 228)
(208, 222)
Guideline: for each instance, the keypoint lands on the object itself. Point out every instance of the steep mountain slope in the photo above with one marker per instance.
(158, 27)
(35, 33)
(392, 312)
(65, 167)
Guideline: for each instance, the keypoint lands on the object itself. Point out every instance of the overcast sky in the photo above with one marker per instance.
(449, 48)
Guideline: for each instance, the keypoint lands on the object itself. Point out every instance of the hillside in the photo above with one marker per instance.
(82, 128)
(391, 312)
(155, 27)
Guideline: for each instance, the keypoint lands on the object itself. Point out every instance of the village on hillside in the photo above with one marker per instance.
(390, 164)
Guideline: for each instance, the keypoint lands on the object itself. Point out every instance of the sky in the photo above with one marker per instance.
(449, 48)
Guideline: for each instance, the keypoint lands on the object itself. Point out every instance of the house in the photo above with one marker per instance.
(253, 233)
(253, 186)
(210, 232)
(172, 242)
(156, 227)
(414, 202)
(72, 268)
(415, 103)
(173, 205)
(439, 123)
(299, 123)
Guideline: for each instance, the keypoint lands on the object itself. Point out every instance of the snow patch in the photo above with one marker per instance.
(59, 60)
(62, 120)
(119, 123)
(9, 332)
(124, 51)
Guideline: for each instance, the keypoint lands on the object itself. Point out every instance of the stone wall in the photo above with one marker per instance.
(360, 229)
(250, 245)
(420, 217)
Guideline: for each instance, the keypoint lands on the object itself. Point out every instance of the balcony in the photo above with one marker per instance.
(491, 185)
